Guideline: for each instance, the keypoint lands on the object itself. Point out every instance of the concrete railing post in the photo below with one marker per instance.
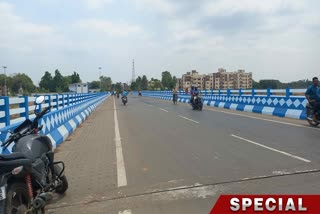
(25, 105)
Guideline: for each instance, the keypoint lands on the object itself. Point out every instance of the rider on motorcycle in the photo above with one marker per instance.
(124, 93)
(192, 94)
(313, 96)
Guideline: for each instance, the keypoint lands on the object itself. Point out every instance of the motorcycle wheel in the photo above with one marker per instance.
(64, 185)
(311, 122)
(62, 188)
(18, 200)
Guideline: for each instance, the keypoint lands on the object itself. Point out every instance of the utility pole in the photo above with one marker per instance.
(133, 72)
(99, 77)
(5, 81)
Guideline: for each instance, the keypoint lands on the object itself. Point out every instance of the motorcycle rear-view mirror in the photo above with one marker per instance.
(39, 100)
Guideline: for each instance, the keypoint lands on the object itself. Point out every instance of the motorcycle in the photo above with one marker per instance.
(196, 102)
(124, 100)
(310, 112)
(29, 175)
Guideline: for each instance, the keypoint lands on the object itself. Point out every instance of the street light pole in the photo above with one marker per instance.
(5, 81)
(100, 77)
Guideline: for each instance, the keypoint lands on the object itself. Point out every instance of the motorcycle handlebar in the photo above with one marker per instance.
(45, 110)
(8, 141)
(15, 136)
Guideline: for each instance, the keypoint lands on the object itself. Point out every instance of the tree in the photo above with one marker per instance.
(47, 82)
(106, 83)
(66, 82)
(138, 82)
(273, 84)
(166, 80)
(94, 85)
(118, 86)
(134, 86)
(21, 83)
(75, 78)
(154, 84)
(144, 83)
(174, 82)
(59, 82)
(255, 85)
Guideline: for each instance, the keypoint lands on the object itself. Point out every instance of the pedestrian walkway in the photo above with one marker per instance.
(90, 161)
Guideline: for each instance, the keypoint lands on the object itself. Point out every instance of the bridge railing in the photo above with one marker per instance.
(67, 113)
(288, 92)
(279, 102)
(16, 109)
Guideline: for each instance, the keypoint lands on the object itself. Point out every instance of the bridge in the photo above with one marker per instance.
(155, 157)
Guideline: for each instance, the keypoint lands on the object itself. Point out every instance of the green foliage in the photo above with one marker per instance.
(58, 83)
(144, 83)
(118, 87)
(134, 86)
(21, 83)
(106, 83)
(47, 82)
(273, 84)
(166, 80)
(138, 82)
(75, 78)
(94, 85)
(174, 82)
(154, 84)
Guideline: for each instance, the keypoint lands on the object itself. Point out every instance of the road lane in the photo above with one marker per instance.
(300, 141)
(159, 147)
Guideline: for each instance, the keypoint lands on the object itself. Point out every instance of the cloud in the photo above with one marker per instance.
(97, 4)
(160, 6)
(113, 29)
(19, 34)
(230, 7)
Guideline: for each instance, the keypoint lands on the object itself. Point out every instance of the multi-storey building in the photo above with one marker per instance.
(220, 80)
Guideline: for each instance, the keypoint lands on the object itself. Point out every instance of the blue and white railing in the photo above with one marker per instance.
(278, 102)
(68, 111)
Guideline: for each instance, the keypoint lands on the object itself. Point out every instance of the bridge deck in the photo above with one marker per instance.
(176, 160)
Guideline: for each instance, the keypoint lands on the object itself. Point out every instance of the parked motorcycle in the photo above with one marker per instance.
(124, 100)
(29, 175)
(196, 102)
(310, 112)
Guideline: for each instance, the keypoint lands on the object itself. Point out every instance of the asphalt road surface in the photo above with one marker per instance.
(155, 157)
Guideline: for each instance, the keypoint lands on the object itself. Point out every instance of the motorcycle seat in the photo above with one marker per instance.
(12, 156)
(8, 164)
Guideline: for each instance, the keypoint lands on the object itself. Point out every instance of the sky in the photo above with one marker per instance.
(274, 39)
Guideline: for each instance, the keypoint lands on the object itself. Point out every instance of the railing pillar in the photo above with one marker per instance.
(25, 105)
(269, 92)
(253, 93)
(57, 101)
(6, 108)
(228, 92)
(48, 101)
(68, 99)
(288, 93)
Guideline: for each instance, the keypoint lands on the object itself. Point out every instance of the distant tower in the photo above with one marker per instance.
(133, 72)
